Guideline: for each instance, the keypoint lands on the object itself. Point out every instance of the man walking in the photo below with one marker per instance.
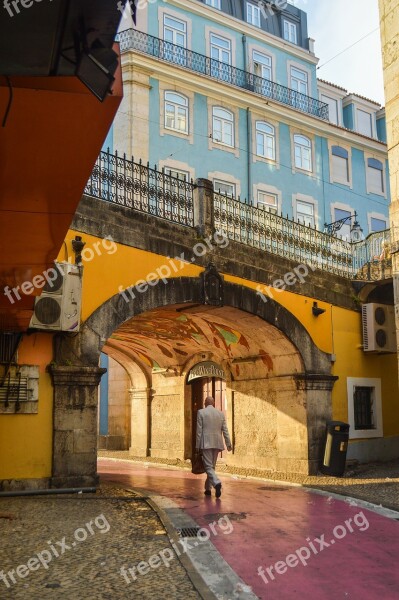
(211, 424)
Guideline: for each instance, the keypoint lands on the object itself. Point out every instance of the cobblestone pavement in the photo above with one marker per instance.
(375, 482)
(94, 536)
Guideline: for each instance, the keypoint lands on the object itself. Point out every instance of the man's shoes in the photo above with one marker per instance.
(218, 489)
(208, 493)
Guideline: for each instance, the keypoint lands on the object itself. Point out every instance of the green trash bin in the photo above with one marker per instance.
(335, 448)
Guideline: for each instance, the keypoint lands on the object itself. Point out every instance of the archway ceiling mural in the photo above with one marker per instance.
(168, 337)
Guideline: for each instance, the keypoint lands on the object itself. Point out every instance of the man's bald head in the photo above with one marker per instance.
(209, 400)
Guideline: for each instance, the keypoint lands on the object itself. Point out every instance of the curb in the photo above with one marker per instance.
(211, 576)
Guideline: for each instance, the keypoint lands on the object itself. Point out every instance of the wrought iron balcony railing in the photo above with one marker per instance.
(199, 63)
(134, 185)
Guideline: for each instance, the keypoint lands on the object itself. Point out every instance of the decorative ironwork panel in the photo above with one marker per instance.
(135, 185)
(279, 235)
(199, 63)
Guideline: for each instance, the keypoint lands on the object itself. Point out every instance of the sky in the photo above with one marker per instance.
(336, 25)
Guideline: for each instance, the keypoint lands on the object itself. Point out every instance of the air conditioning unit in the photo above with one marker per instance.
(379, 330)
(58, 306)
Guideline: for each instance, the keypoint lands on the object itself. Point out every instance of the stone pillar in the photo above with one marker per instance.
(203, 208)
(75, 425)
(140, 400)
(389, 16)
(319, 411)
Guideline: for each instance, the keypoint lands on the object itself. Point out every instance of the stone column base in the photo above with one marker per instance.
(75, 426)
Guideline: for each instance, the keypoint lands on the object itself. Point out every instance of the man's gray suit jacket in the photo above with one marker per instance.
(211, 429)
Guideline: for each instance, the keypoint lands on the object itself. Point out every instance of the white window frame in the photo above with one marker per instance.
(331, 102)
(304, 149)
(224, 122)
(184, 106)
(232, 185)
(213, 3)
(310, 222)
(214, 38)
(267, 136)
(175, 30)
(288, 29)
(306, 200)
(299, 80)
(371, 118)
(371, 189)
(253, 14)
(335, 164)
(379, 217)
(375, 383)
(271, 207)
(265, 65)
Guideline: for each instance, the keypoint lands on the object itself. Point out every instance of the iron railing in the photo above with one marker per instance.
(132, 39)
(282, 236)
(135, 185)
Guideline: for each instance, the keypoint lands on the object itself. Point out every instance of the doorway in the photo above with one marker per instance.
(201, 388)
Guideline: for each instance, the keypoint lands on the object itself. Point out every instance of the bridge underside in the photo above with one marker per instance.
(271, 380)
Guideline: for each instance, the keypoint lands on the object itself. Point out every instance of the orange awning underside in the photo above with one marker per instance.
(48, 146)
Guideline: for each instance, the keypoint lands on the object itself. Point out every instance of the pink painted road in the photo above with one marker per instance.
(349, 552)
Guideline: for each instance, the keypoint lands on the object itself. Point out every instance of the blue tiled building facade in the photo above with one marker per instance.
(227, 90)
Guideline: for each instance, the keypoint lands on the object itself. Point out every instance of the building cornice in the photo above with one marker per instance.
(210, 87)
(224, 19)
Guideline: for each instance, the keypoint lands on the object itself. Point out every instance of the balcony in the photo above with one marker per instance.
(204, 65)
(136, 186)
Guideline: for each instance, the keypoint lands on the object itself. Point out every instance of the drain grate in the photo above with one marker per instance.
(190, 532)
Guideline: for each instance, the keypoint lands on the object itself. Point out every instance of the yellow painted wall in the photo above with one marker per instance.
(26, 440)
(337, 331)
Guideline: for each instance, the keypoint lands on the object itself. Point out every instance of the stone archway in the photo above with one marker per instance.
(79, 355)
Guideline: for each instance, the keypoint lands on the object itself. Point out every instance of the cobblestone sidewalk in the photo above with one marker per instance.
(94, 536)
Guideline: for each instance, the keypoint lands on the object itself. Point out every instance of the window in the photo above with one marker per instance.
(175, 36)
(364, 407)
(253, 14)
(340, 164)
(305, 213)
(345, 231)
(214, 3)
(303, 153)
(299, 80)
(174, 31)
(181, 175)
(223, 126)
(332, 108)
(220, 57)
(267, 201)
(265, 140)
(375, 176)
(222, 187)
(290, 32)
(262, 65)
(364, 123)
(363, 401)
(176, 112)
(377, 224)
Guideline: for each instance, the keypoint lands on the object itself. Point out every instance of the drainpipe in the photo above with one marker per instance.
(249, 146)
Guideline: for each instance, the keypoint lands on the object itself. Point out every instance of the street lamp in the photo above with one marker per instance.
(356, 233)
